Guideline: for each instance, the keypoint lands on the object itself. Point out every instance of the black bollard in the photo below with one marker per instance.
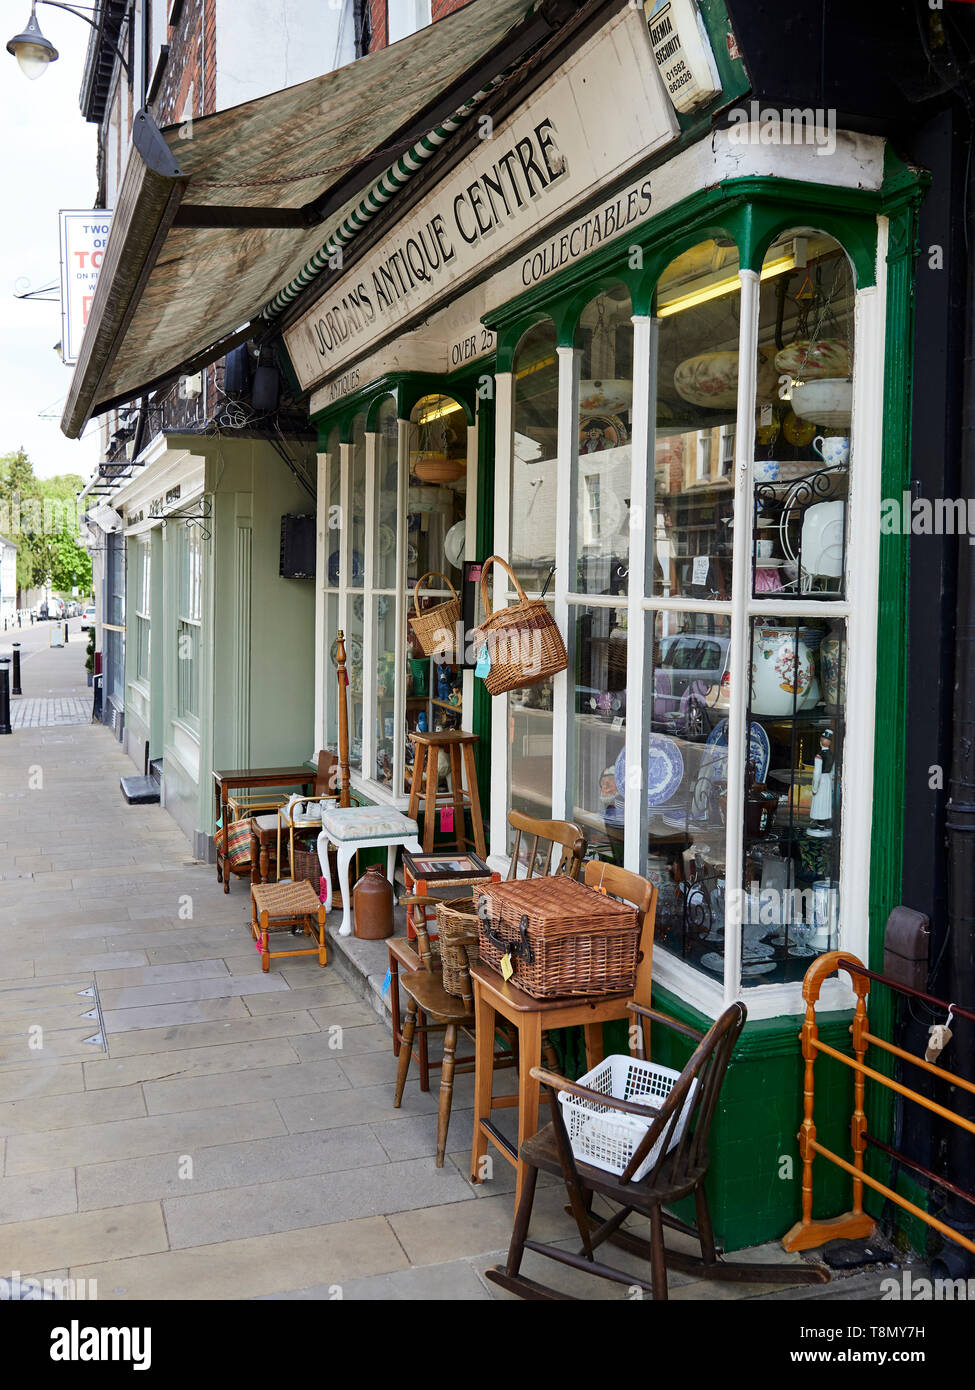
(16, 688)
(5, 725)
(66, 634)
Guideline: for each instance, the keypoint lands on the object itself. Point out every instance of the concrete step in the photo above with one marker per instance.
(140, 791)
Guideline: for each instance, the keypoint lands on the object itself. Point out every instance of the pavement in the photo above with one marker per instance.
(175, 1124)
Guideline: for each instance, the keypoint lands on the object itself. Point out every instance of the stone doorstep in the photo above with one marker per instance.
(363, 964)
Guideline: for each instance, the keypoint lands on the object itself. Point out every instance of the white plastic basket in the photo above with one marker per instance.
(608, 1138)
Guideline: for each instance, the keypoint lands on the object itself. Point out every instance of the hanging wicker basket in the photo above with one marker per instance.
(436, 627)
(523, 641)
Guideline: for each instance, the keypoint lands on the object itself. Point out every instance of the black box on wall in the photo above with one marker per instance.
(297, 547)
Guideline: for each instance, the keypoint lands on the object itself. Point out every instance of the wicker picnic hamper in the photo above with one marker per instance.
(562, 937)
(457, 930)
(436, 627)
(523, 641)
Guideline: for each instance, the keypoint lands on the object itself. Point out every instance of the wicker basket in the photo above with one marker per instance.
(562, 938)
(436, 628)
(523, 641)
(457, 930)
(307, 865)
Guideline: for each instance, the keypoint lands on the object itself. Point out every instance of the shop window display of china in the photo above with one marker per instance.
(789, 798)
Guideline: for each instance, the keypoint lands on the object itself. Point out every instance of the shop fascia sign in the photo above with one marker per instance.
(682, 52)
(571, 138)
(84, 236)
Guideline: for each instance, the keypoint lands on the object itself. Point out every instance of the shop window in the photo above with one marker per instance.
(189, 624)
(532, 547)
(354, 573)
(143, 599)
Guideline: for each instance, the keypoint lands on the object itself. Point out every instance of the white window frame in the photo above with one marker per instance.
(405, 17)
(143, 615)
(858, 610)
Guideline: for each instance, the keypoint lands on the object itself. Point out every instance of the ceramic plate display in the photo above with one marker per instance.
(612, 396)
(454, 542)
(711, 379)
(665, 769)
(599, 432)
(334, 561)
(385, 540)
(759, 750)
(359, 608)
(757, 968)
(811, 361)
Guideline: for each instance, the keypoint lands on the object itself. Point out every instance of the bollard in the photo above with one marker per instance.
(5, 725)
(66, 634)
(16, 687)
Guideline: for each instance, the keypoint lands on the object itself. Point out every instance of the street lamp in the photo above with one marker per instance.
(35, 53)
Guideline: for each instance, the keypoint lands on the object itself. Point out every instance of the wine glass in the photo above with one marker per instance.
(802, 931)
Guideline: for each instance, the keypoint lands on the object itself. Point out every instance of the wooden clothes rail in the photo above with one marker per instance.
(808, 1233)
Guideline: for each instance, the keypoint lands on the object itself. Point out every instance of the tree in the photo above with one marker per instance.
(41, 516)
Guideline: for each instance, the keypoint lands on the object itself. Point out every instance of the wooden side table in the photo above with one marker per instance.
(459, 745)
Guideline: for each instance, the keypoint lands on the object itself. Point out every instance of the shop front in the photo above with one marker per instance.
(675, 415)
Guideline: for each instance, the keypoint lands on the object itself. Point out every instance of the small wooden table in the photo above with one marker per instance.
(303, 777)
(492, 996)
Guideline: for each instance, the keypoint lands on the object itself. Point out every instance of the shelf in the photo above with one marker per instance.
(445, 704)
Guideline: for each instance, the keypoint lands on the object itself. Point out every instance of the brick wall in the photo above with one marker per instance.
(439, 8)
(192, 65)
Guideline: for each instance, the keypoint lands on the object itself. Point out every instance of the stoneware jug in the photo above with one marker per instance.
(372, 905)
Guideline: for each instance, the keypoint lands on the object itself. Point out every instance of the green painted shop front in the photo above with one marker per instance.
(756, 1169)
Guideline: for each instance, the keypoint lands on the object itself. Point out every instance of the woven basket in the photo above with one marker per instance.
(457, 930)
(523, 641)
(562, 938)
(308, 866)
(435, 628)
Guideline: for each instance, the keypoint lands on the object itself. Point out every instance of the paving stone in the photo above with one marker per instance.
(329, 991)
(355, 1041)
(363, 1105)
(62, 964)
(179, 991)
(161, 974)
(53, 1079)
(436, 1234)
(347, 1016)
(181, 1065)
(166, 1015)
(191, 1035)
(453, 1282)
(35, 1195)
(228, 1166)
(257, 1083)
(64, 1043)
(249, 1268)
(84, 1237)
(415, 1136)
(60, 1111)
(129, 1139)
(309, 1200)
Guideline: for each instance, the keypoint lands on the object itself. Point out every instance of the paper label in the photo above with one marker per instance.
(483, 662)
(507, 969)
(387, 981)
(699, 573)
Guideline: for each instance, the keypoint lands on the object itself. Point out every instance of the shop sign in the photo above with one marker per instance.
(83, 239)
(682, 52)
(566, 141)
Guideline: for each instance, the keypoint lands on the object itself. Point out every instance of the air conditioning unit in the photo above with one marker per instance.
(190, 387)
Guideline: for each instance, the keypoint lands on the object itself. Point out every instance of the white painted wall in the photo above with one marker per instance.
(264, 45)
(406, 16)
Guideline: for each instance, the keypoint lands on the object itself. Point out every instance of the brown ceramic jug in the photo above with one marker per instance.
(372, 905)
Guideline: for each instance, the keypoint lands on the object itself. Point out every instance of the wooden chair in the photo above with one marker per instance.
(493, 998)
(678, 1172)
(441, 1011)
(541, 839)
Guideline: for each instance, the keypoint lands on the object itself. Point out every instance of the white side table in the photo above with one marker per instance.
(353, 828)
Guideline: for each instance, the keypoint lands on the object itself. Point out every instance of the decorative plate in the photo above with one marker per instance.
(605, 395)
(454, 542)
(665, 770)
(759, 750)
(385, 540)
(599, 432)
(334, 561)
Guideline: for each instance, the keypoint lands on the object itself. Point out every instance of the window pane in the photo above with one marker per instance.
(530, 727)
(334, 529)
(602, 490)
(535, 471)
(598, 735)
(437, 491)
(387, 497)
(353, 664)
(357, 505)
(383, 620)
(685, 778)
(331, 688)
(802, 442)
(698, 305)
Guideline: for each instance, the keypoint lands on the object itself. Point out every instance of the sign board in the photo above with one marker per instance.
(682, 52)
(565, 142)
(84, 236)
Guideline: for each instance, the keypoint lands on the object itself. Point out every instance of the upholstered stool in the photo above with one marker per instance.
(279, 906)
(352, 828)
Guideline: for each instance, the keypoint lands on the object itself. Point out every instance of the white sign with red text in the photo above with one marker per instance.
(84, 236)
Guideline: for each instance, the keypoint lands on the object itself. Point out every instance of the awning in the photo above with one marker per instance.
(218, 215)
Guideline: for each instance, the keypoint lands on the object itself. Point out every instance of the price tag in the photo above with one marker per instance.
(507, 969)
(765, 419)
(387, 981)
(699, 573)
(483, 662)
(446, 819)
(618, 722)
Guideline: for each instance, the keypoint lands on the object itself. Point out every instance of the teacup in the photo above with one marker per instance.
(764, 549)
(833, 449)
(766, 470)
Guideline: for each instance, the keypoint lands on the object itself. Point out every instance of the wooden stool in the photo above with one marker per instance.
(457, 743)
(275, 906)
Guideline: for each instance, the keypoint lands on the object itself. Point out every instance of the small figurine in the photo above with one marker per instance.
(821, 808)
(443, 683)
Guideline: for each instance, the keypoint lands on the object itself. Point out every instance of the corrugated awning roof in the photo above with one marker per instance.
(170, 290)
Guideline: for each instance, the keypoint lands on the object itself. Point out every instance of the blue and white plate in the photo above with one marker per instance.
(759, 751)
(665, 769)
